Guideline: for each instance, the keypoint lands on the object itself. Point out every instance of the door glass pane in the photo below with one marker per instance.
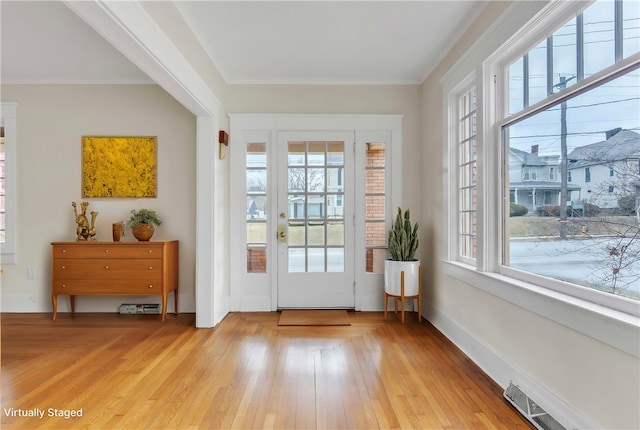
(313, 167)
(315, 208)
(335, 259)
(335, 154)
(335, 233)
(316, 259)
(316, 234)
(376, 233)
(297, 205)
(316, 154)
(335, 179)
(375, 207)
(315, 180)
(297, 234)
(297, 180)
(296, 260)
(375, 181)
(256, 233)
(256, 155)
(256, 180)
(296, 154)
(256, 207)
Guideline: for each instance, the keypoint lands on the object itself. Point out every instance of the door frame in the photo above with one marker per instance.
(252, 292)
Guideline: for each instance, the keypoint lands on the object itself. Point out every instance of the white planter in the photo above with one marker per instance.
(392, 270)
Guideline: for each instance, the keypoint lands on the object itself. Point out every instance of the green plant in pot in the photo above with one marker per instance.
(403, 244)
(143, 223)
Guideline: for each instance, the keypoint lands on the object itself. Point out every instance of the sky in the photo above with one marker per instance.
(611, 105)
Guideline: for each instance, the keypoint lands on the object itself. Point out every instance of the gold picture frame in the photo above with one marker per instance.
(119, 166)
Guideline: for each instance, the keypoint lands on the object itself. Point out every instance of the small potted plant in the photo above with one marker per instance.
(143, 223)
(403, 243)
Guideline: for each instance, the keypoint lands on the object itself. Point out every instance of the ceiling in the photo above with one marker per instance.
(299, 42)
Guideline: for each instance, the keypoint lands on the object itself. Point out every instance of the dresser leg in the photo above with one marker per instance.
(175, 301)
(54, 301)
(72, 299)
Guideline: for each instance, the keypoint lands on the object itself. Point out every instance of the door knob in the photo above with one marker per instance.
(282, 233)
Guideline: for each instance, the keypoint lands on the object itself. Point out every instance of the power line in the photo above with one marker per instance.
(583, 133)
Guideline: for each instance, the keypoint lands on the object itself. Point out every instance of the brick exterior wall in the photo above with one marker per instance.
(256, 260)
(375, 215)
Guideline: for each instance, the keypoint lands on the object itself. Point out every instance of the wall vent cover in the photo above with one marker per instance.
(530, 409)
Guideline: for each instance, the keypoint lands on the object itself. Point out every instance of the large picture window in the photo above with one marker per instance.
(574, 105)
(583, 233)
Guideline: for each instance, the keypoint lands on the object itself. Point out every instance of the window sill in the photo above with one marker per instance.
(614, 328)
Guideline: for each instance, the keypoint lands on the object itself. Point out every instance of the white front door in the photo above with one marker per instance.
(315, 222)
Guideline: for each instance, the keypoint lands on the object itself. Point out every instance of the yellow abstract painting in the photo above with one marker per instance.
(119, 166)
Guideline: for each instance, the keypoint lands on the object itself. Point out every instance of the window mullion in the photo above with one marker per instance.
(580, 47)
(618, 30)
(549, 65)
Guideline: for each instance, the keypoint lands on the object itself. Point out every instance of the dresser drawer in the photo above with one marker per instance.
(106, 250)
(98, 287)
(107, 269)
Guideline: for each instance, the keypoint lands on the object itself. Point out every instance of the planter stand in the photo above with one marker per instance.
(402, 297)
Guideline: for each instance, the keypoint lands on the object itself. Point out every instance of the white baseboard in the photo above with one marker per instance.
(27, 304)
(502, 372)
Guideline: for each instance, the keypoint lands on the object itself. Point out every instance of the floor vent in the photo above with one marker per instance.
(530, 409)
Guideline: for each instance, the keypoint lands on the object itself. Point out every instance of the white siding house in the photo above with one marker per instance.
(534, 179)
(607, 170)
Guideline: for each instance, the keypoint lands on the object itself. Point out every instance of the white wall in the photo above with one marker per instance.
(51, 120)
(573, 371)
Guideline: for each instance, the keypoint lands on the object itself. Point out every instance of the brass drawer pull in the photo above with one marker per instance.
(150, 267)
(106, 250)
(150, 286)
(106, 267)
(64, 251)
(150, 251)
(64, 267)
(64, 286)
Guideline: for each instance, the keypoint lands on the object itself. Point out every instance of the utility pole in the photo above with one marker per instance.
(564, 162)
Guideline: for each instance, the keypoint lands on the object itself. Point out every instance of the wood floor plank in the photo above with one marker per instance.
(137, 372)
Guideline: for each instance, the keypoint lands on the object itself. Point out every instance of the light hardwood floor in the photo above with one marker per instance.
(136, 372)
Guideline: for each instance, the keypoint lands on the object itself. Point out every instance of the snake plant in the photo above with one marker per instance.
(403, 238)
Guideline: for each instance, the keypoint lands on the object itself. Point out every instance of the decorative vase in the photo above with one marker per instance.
(143, 232)
(392, 270)
(118, 231)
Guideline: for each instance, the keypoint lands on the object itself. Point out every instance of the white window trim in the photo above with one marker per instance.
(8, 111)
(452, 115)
(612, 327)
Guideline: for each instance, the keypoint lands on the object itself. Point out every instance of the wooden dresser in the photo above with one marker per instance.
(114, 268)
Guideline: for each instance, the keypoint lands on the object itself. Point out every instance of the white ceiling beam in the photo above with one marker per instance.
(131, 30)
